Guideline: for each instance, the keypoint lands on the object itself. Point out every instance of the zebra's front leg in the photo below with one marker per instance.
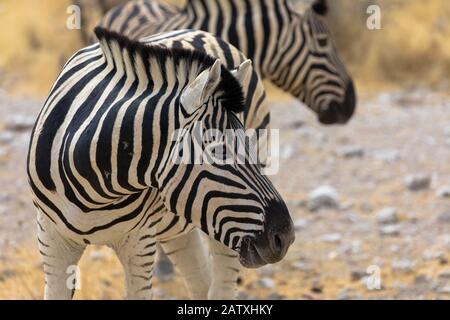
(225, 266)
(188, 253)
(137, 252)
(60, 258)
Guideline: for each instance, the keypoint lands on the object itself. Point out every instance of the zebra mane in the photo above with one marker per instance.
(229, 90)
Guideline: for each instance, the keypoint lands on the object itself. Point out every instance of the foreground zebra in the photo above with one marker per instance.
(292, 50)
(101, 171)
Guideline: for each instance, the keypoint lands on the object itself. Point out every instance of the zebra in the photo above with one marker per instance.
(154, 11)
(293, 50)
(100, 168)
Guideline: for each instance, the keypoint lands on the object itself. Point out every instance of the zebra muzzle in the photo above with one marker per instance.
(271, 245)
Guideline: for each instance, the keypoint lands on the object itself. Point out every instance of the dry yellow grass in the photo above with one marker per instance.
(103, 278)
(411, 48)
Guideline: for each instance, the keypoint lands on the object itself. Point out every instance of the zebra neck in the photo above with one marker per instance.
(150, 65)
(252, 26)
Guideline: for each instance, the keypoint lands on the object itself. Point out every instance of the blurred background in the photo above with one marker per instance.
(386, 173)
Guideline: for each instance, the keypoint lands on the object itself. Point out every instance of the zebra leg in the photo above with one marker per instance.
(137, 252)
(187, 252)
(60, 258)
(225, 266)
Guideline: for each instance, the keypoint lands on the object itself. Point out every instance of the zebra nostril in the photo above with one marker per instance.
(277, 242)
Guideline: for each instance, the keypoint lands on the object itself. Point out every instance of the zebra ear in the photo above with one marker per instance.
(199, 90)
(243, 72)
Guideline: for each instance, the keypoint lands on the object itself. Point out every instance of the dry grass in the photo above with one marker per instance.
(412, 47)
(103, 278)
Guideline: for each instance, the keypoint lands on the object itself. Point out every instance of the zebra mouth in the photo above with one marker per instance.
(249, 256)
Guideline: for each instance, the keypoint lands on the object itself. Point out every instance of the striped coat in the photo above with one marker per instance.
(293, 50)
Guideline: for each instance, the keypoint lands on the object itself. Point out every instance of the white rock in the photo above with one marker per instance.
(331, 237)
(350, 152)
(266, 283)
(443, 192)
(6, 137)
(287, 152)
(417, 182)
(300, 224)
(323, 197)
(390, 230)
(403, 265)
(432, 255)
(444, 289)
(20, 123)
(387, 215)
(387, 155)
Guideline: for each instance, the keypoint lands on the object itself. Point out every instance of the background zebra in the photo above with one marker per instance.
(100, 167)
(293, 50)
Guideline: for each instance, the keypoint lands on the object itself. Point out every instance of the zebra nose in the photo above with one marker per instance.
(340, 113)
(278, 234)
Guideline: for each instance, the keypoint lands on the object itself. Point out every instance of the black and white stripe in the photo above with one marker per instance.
(293, 50)
(100, 167)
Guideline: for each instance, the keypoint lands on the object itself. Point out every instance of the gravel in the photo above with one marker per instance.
(418, 182)
(387, 216)
(323, 197)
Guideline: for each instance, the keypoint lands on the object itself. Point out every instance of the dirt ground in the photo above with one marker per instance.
(386, 235)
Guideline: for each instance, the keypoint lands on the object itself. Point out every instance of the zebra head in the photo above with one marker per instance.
(228, 198)
(310, 69)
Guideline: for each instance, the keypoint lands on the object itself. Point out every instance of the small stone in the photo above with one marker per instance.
(242, 295)
(348, 294)
(316, 287)
(403, 265)
(267, 270)
(300, 224)
(266, 283)
(390, 230)
(445, 274)
(323, 197)
(20, 123)
(301, 266)
(443, 192)
(357, 275)
(418, 182)
(444, 289)
(275, 296)
(287, 152)
(6, 137)
(422, 279)
(432, 255)
(444, 217)
(106, 283)
(6, 274)
(387, 215)
(331, 237)
(388, 155)
(350, 152)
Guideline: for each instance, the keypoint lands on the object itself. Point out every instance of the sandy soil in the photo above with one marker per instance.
(347, 251)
